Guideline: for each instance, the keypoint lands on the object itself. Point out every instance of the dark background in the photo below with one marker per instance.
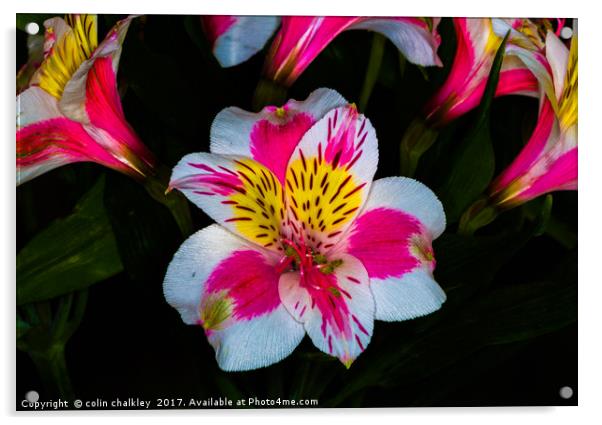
(506, 336)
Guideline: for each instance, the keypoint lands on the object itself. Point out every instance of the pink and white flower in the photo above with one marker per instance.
(548, 162)
(71, 111)
(301, 39)
(523, 70)
(234, 39)
(306, 242)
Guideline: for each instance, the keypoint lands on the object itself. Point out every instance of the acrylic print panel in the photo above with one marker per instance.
(295, 212)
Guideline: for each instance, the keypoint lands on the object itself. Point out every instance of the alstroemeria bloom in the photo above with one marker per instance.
(478, 39)
(306, 242)
(548, 162)
(302, 38)
(71, 111)
(234, 39)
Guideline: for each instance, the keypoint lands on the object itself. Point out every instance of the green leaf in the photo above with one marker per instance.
(22, 327)
(374, 63)
(146, 233)
(474, 162)
(71, 254)
(544, 215)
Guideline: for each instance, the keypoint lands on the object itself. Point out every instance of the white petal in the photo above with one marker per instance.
(558, 57)
(258, 342)
(192, 264)
(410, 196)
(244, 38)
(232, 127)
(245, 343)
(34, 105)
(417, 43)
(413, 295)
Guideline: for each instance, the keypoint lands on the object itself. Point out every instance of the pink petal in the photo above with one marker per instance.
(337, 309)
(393, 239)
(302, 38)
(73, 101)
(48, 144)
(271, 135)
(523, 70)
(382, 239)
(560, 175)
(545, 133)
(519, 81)
(103, 107)
(230, 287)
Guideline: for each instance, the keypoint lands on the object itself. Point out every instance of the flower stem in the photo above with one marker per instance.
(268, 93)
(418, 138)
(52, 367)
(374, 62)
(157, 187)
(478, 215)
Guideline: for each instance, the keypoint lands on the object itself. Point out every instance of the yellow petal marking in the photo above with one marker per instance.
(258, 210)
(75, 46)
(569, 99)
(321, 198)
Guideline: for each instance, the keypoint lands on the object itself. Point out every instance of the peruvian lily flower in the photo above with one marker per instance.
(234, 39)
(302, 38)
(71, 111)
(306, 242)
(523, 70)
(548, 162)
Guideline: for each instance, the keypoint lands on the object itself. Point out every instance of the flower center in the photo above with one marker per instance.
(299, 256)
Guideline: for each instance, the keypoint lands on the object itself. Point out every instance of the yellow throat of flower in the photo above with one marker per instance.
(68, 52)
(535, 31)
(568, 100)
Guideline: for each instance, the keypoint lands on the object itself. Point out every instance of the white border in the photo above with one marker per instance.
(590, 285)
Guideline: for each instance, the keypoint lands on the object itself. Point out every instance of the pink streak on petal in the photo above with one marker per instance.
(250, 282)
(103, 106)
(333, 309)
(340, 149)
(516, 81)
(464, 65)
(531, 151)
(561, 175)
(273, 144)
(223, 183)
(217, 25)
(60, 137)
(559, 25)
(299, 41)
(381, 239)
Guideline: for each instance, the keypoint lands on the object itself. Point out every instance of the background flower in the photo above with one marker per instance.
(548, 162)
(478, 39)
(71, 111)
(234, 39)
